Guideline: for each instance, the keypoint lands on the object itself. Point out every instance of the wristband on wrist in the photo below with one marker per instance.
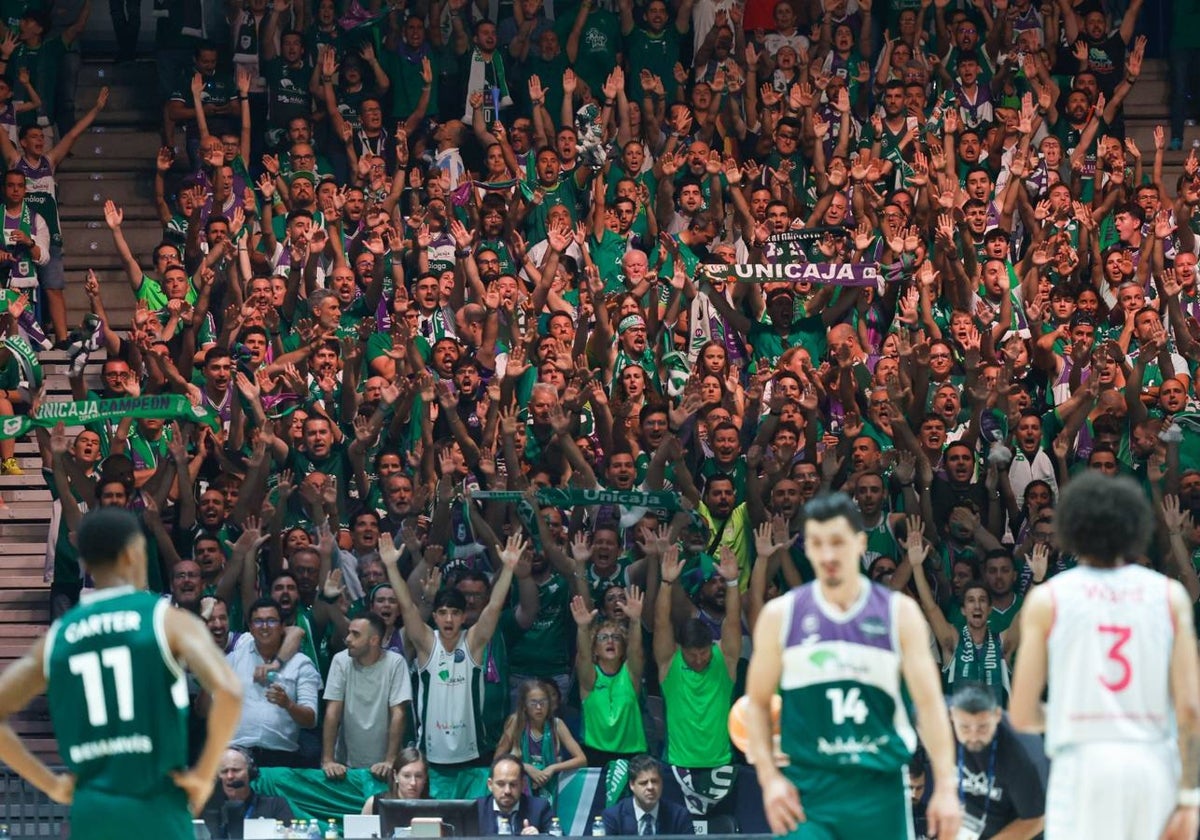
(1188, 798)
(732, 582)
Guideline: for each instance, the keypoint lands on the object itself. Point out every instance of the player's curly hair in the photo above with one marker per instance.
(1104, 520)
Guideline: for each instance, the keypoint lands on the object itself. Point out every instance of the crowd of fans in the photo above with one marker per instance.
(416, 254)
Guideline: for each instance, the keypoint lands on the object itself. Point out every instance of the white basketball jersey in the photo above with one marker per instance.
(1110, 657)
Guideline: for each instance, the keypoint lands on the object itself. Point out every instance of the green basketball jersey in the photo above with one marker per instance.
(118, 699)
(841, 685)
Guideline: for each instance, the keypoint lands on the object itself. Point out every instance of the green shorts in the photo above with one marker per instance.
(100, 815)
(853, 804)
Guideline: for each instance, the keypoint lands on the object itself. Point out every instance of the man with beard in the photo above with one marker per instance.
(655, 47)
(974, 654)
(1030, 461)
(893, 127)
(1000, 577)
(959, 484)
(870, 494)
(217, 392)
(1002, 773)
(728, 521)
(275, 710)
(367, 703)
(211, 516)
(397, 492)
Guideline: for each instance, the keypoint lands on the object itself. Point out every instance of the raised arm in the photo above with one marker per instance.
(415, 628)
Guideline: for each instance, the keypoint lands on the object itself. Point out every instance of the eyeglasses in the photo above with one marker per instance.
(537, 704)
(264, 622)
(609, 637)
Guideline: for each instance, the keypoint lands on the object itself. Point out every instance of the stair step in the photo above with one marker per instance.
(140, 74)
(86, 192)
(31, 495)
(89, 244)
(122, 96)
(102, 142)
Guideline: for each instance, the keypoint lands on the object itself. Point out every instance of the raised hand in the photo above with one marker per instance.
(635, 601)
(671, 566)
(728, 568)
(582, 615)
(510, 556)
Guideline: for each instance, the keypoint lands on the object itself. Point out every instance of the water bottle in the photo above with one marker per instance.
(272, 677)
(332, 833)
(199, 830)
(504, 826)
(598, 827)
(4, 835)
(280, 830)
(314, 831)
(555, 827)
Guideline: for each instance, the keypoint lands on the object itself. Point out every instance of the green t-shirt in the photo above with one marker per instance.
(657, 53)
(612, 715)
(151, 293)
(599, 45)
(697, 707)
(42, 63)
(544, 650)
(768, 344)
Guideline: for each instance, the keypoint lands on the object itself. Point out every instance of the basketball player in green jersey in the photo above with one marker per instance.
(836, 651)
(113, 671)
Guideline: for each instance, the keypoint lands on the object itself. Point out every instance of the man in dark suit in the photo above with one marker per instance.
(646, 812)
(524, 814)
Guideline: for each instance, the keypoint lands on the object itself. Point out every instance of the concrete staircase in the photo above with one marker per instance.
(25, 506)
(113, 160)
(1148, 106)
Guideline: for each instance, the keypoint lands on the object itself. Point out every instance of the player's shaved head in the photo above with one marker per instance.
(105, 534)
(1104, 520)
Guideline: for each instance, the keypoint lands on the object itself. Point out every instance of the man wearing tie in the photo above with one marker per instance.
(645, 812)
(506, 810)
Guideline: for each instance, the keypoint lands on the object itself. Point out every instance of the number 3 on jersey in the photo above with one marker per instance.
(847, 704)
(88, 666)
(1122, 635)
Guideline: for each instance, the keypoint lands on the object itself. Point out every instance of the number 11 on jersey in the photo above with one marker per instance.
(88, 667)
